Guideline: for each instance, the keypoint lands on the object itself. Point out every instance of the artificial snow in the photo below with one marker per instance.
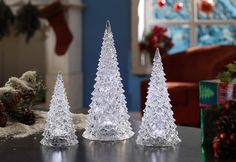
(19, 130)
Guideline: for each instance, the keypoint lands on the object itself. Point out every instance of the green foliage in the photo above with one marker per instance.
(205, 92)
(6, 19)
(225, 76)
(230, 74)
(232, 67)
(27, 21)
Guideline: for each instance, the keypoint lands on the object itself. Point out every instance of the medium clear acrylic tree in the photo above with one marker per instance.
(108, 115)
(158, 127)
(59, 129)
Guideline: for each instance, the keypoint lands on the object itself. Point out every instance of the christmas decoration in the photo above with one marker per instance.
(214, 101)
(22, 112)
(206, 6)
(3, 115)
(27, 20)
(156, 38)
(208, 117)
(59, 130)
(6, 19)
(224, 143)
(108, 115)
(215, 92)
(16, 130)
(35, 81)
(9, 97)
(206, 92)
(24, 116)
(18, 96)
(25, 91)
(161, 3)
(54, 13)
(178, 6)
(158, 127)
(228, 76)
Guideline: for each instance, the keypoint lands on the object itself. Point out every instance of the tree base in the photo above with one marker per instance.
(159, 142)
(58, 142)
(89, 136)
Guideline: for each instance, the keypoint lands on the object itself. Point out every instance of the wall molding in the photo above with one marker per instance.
(16, 56)
(137, 68)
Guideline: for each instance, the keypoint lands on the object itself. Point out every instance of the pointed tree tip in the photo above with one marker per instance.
(108, 25)
(157, 54)
(59, 73)
(59, 76)
(108, 22)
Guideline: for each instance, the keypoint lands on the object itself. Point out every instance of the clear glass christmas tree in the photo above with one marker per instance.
(59, 130)
(108, 114)
(158, 127)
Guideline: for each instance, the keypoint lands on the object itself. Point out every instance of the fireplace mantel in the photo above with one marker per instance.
(16, 56)
(42, 3)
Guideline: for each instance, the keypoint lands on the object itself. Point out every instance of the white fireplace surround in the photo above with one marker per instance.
(16, 56)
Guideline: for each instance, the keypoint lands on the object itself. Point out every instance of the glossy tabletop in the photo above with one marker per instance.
(29, 150)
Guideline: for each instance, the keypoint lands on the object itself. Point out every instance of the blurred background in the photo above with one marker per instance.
(70, 36)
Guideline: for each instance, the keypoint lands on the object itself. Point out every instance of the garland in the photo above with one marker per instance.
(27, 21)
(6, 19)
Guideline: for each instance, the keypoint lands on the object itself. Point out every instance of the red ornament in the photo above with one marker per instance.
(206, 6)
(178, 6)
(161, 3)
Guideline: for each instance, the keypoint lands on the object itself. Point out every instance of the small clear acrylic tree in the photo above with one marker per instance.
(158, 127)
(59, 130)
(108, 114)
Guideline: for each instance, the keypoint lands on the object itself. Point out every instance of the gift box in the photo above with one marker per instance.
(212, 95)
(214, 92)
(209, 116)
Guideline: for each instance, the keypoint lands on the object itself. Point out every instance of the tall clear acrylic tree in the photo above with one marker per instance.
(108, 115)
(59, 129)
(158, 127)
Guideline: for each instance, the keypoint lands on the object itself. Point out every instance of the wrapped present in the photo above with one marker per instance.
(214, 92)
(212, 119)
(209, 116)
